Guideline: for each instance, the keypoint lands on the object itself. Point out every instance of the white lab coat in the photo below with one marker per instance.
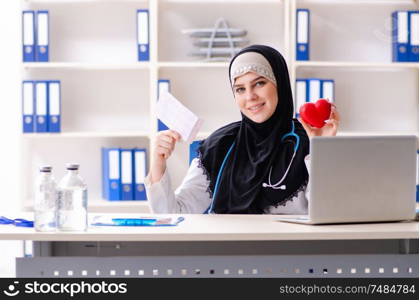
(192, 195)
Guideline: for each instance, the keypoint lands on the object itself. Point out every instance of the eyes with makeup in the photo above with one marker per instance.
(241, 89)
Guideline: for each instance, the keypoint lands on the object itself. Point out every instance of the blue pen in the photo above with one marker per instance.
(134, 222)
(106, 221)
(16, 222)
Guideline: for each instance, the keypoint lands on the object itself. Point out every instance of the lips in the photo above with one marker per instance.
(255, 108)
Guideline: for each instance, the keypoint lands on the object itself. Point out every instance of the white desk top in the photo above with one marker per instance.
(220, 228)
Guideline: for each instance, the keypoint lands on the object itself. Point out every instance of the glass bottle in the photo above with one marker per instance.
(72, 201)
(45, 206)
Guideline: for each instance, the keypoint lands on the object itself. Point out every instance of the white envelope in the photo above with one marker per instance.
(178, 117)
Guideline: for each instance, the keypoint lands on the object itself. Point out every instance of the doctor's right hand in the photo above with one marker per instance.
(164, 144)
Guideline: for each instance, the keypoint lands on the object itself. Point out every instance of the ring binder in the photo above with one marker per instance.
(42, 52)
(303, 34)
(28, 35)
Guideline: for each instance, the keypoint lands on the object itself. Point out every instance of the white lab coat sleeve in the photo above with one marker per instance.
(191, 196)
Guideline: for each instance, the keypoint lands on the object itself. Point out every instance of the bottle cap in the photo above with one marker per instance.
(45, 168)
(72, 166)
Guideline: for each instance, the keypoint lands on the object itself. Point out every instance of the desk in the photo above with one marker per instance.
(224, 246)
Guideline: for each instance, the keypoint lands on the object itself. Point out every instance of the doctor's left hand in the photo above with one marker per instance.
(329, 129)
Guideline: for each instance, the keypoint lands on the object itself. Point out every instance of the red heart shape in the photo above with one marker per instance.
(317, 113)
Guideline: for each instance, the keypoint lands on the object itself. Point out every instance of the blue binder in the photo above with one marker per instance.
(42, 37)
(414, 36)
(163, 85)
(127, 183)
(328, 90)
(140, 170)
(303, 34)
(193, 150)
(143, 39)
(41, 107)
(28, 35)
(28, 102)
(54, 106)
(400, 36)
(313, 89)
(111, 183)
(300, 94)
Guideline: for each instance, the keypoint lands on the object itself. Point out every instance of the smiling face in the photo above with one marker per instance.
(256, 96)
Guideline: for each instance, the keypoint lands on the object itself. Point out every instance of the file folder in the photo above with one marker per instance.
(111, 183)
(400, 36)
(28, 101)
(163, 85)
(193, 150)
(300, 94)
(41, 107)
(328, 90)
(303, 34)
(313, 89)
(140, 169)
(127, 190)
(28, 35)
(414, 36)
(42, 50)
(54, 106)
(143, 39)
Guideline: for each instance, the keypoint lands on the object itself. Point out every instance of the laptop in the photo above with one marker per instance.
(357, 179)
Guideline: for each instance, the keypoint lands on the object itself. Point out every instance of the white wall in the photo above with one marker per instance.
(10, 82)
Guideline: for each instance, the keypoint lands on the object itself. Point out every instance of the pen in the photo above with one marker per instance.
(133, 222)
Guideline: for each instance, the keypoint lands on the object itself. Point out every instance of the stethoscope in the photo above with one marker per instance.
(275, 186)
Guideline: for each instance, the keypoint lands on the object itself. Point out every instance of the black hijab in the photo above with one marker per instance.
(257, 147)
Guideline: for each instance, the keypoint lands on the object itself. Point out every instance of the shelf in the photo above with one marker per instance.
(378, 133)
(145, 1)
(367, 65)
(343, 2)
(87, 66)
(105, 206)
(357, 2)
(146, 65)
(203, 135)
(83, 1)
(121, 134)
(220, 1)
(193, 65)
(370, 133)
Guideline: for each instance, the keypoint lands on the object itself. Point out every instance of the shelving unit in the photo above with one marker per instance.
(108, 97)
(81, 134)
(365, 65)
(193, 65)
(86, 66)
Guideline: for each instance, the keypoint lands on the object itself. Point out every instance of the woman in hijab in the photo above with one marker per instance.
(253, 166)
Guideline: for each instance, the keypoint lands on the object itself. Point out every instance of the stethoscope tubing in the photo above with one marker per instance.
(275, 186)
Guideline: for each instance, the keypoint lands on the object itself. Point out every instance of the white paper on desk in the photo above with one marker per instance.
(178, 117)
